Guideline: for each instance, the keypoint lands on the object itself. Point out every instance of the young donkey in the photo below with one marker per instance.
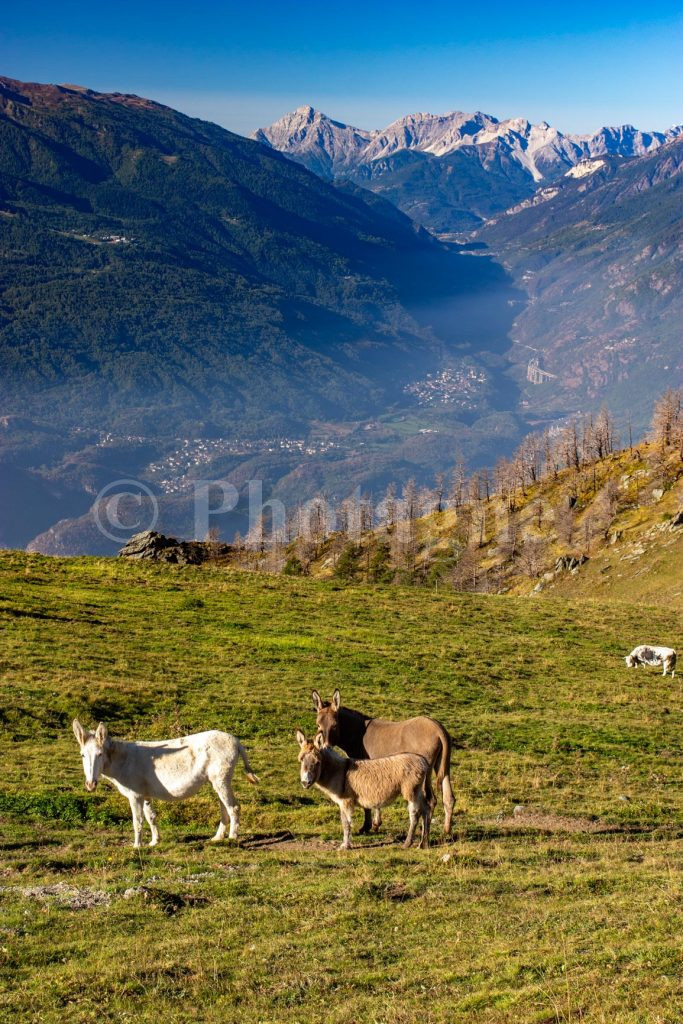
(368, 783)
(165, 770)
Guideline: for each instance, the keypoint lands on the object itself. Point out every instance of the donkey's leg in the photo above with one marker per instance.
(346, 814)
(426, 814)
(151, 816)
(429, 792)
(413, 811)
(230, 812)
(233, 813)
(448, 804)
(136, 804)
(367, 822)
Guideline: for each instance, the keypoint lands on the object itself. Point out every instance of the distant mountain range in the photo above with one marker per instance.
(450, 171)
(589, 226)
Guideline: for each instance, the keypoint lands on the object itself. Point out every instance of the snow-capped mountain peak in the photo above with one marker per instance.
(333, 148)
(452, 171)
(312, 138)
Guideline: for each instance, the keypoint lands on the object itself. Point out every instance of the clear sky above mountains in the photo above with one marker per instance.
(243, 65)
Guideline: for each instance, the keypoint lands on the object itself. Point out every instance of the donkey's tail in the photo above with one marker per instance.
(247, 767)
(442, 767)
(442, 764)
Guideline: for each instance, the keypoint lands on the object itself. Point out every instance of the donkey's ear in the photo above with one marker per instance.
(319, 741)
(101, 734)
(300, 737)
(317, 701)
(336, 700)
(79, 731)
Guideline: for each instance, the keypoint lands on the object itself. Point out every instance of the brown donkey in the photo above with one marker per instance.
(362, 737)
(367, 783)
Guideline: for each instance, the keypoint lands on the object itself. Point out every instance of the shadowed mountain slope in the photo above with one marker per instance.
(601, 258)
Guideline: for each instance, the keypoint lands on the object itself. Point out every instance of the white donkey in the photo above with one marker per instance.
(165, 770)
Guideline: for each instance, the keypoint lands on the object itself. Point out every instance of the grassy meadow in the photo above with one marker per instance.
(567, 911)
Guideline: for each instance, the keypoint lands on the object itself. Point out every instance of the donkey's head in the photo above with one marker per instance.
(93, 749)
(327, 716)
(310, 758)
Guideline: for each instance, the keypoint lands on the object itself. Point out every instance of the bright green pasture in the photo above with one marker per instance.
(504, 923)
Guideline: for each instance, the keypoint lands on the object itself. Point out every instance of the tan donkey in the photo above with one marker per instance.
(361, 736)
(368, 783)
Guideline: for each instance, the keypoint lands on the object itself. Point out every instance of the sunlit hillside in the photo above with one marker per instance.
(555, 900)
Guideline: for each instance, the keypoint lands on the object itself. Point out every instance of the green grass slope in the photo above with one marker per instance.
(566, 912)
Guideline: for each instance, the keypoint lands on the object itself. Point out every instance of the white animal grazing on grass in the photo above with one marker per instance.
(165, 770)
(647, 654)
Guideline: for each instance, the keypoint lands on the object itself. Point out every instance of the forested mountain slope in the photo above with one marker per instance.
(152, 259)
(601, 259)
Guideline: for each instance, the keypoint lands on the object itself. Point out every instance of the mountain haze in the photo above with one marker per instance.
(179, 303)
(165, 280)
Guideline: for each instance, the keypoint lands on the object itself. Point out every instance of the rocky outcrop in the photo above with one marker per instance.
(151, 546)
(570, 563)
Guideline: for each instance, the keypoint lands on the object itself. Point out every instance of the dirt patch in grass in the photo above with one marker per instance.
(550, 823)
(392, 892)
(69, 896)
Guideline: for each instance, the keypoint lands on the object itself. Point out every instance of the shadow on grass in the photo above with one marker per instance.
(21, 613)
(28, 844)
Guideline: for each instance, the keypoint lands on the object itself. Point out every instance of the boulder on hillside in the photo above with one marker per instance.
(155, 547)
(677, 520)
(570, 563)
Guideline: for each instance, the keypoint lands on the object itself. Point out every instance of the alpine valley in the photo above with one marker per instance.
(180, 303)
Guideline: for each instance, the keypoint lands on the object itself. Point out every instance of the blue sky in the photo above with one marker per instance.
(243, 65)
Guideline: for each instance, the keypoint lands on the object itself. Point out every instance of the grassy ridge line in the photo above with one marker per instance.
(523, 926)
